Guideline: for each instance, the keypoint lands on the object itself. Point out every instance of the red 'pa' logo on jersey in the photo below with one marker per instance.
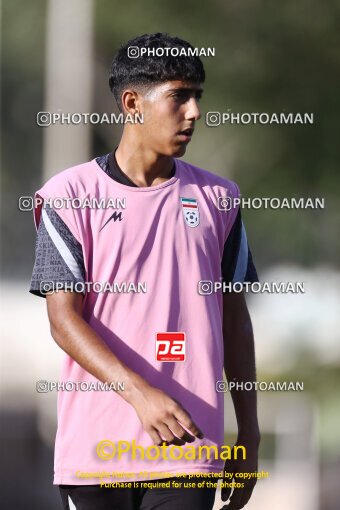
(170, 346)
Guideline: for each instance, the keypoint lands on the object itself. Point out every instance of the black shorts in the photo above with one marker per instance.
(93, 497)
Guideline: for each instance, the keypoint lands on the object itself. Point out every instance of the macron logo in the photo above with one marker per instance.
(115, 216)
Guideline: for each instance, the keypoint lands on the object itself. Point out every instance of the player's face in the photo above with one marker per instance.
(170, 113)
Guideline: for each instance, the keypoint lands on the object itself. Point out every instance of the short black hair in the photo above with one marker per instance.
(144, 70)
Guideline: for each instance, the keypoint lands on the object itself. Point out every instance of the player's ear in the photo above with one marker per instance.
(131, 102)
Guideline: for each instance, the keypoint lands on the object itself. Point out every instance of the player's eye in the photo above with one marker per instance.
(180, 96)
(185, 95)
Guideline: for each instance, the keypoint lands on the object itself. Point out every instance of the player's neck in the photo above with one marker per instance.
(143, 166)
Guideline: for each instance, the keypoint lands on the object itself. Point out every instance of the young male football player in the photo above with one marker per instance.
(162, 332)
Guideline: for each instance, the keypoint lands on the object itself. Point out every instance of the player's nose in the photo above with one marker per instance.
(193, 111)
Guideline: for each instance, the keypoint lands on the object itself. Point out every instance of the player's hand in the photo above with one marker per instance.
(164, 419)
(240, 497)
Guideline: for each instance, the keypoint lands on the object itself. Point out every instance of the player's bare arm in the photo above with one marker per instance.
(239, 365)
(160, 415)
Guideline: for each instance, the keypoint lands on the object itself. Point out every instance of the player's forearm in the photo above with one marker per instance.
(239, 365)
(76, 337)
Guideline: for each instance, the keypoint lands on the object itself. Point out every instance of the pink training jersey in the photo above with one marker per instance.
(167, 237)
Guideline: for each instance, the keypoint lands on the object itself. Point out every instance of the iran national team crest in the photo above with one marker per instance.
(190, 211)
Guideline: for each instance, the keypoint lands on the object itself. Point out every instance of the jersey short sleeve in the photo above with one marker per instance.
(237, 264)
(59, 259)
